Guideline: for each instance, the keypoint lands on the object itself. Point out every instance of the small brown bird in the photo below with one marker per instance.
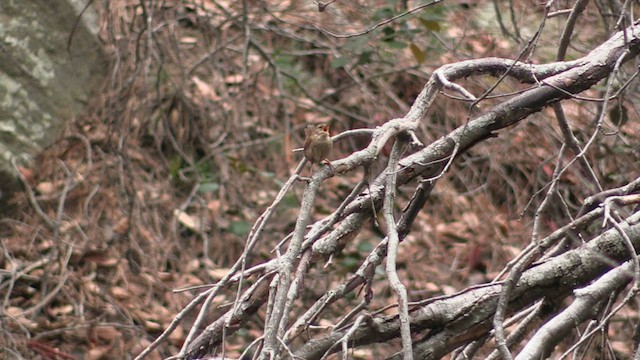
(317, 144)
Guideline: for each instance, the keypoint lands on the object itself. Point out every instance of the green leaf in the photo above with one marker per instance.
(174, 166)
(240, 228)
(339, 62)
(365, 247)
(285, 60)
(430, 24)
(268, 174)
(417, 53)
(208, 187)
(389, 32)
(357, 44)
(290, 201)
(383, 13)
(396, 44)
(351, 262)
(365, 57)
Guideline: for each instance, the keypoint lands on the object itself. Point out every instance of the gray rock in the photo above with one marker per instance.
(50, 62)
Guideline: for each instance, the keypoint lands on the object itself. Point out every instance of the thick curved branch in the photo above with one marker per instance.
(587, 298)
(468, 315)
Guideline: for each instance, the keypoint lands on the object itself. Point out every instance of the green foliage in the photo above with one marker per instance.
(339, 62)
(239, 227)
(208, 187)
(290, 201)
(432, 25)
(351, 262)
(365, 247)
(383, 13)
(357, 43)
(175, 164)
(418, 53)
(283, 60)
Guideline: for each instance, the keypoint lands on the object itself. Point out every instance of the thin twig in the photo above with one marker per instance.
(381, 23)
(392, 251)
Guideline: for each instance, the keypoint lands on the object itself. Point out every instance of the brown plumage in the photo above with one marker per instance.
(317, 143)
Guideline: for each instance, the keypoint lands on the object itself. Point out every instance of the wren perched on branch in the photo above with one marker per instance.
(317, 144)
